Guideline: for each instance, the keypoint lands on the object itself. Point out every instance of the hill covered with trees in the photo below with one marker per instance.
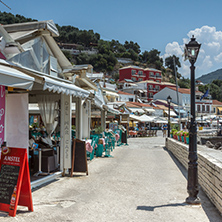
(208, 78)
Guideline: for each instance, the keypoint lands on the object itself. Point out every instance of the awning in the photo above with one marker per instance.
(64, 88)
(160, 120)
(172, 113)
(108, 93)
(145, 118)
(134, 117)
(149, 110)
(139, 110)
(111, 110)
(13, 78)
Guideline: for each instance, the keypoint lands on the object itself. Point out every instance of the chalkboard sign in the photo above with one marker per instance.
(8, 180)
(15, 186)
(79, 157)
(124, 137)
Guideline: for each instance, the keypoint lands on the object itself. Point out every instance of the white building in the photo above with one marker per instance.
(126, 97)
(202, 106)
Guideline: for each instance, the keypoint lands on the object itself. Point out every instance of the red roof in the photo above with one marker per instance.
(138, 104)
(216, 102)
(182, 90)
(125, 93)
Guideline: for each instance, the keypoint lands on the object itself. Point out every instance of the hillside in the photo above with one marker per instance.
(208, 78)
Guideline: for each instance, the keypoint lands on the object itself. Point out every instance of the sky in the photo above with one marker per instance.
(165, 25)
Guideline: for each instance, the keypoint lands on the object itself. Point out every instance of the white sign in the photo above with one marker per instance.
(66, 130)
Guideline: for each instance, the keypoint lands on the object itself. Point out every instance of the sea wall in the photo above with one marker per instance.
(209, 168)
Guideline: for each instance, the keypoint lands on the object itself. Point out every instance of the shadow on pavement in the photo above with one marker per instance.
(211, 211)
(151, 208)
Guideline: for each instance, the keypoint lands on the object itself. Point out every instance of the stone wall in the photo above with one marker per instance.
(209, 168)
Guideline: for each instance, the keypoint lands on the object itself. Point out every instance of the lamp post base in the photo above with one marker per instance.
(193, 200)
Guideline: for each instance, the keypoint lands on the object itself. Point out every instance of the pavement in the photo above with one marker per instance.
(141, 182)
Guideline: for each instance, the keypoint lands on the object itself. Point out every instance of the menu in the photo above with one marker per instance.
(8, 180)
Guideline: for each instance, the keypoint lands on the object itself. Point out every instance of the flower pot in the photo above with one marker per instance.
(175, 137)
(171, 135)
(182, 139)
(178, 138)
(187, 139)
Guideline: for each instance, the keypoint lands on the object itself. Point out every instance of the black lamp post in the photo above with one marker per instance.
(188, 117)
(169, 99)
(201, 120)
(191, 52)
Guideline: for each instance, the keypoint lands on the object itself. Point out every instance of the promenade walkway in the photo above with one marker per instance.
(142, 182)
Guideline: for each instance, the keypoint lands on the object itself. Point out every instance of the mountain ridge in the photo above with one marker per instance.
(208, 78)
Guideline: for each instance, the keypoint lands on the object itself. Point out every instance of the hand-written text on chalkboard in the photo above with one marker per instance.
(8, 180)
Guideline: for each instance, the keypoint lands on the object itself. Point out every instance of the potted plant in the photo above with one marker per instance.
(175, 134)
(187, 137)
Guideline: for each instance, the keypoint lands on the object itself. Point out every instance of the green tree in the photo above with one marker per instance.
(152, 59)
(169, 63)
(184, 83)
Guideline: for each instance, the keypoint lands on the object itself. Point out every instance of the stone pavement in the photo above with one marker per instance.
(141, 182)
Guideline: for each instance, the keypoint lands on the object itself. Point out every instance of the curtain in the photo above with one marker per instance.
(48, 107)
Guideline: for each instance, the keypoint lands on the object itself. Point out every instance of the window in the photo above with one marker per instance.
(140, 79)
(134, 79)
(157, 80)
(130, 99)
(140, 73)
(151, 74)
(203, 108)
(150, 95)
(157, 88)
(133, 72)
(150, 87)
(198, 108)
(208, 109)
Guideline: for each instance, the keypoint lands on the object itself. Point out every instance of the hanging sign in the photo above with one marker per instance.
(15, 186)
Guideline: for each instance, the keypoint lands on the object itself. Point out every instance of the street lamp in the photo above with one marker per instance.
(188, 117)
(191, 53)
(169, 99)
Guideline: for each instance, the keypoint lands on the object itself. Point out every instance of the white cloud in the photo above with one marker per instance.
(210, 56)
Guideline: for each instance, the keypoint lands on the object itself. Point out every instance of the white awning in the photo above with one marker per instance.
(172, 113)
(13, 78)
(111, 110)
(145, 118)
(134, 117)
(139, 110)
(149, 110)
(108, 93)
(64, 88)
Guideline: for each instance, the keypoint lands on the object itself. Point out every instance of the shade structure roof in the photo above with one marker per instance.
(14, 78)
(64, 88)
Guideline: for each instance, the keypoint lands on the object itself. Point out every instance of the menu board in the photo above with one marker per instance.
(15, 187)
(79, 158)
(8, 180)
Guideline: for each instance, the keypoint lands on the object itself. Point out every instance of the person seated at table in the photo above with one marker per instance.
(31, 139)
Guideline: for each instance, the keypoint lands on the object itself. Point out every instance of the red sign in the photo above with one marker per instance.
(15, 186)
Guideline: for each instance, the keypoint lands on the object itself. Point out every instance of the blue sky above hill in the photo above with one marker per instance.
(165, 25)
